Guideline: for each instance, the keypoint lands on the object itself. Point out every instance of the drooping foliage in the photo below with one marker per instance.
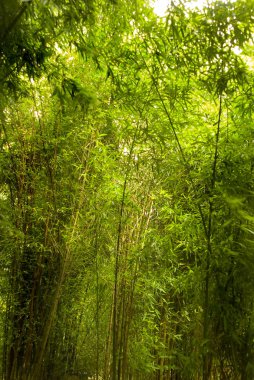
(126, 191)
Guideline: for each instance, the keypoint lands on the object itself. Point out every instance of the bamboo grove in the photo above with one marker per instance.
(126, 190)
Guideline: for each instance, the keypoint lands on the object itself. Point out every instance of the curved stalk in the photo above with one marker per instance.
(206, 226)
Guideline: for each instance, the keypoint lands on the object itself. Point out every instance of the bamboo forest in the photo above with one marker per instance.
(126, 190)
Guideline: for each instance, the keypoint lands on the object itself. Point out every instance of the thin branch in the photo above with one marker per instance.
(180, 148)
(209, 246)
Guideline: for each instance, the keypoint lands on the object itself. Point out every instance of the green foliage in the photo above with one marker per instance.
(126, 190)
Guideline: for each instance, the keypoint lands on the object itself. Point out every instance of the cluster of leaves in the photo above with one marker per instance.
(126, 190)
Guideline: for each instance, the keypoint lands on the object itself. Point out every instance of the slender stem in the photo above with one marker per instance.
(117, 258)
(180, 148)
(97, 307)
(209, 247)
(207, 227)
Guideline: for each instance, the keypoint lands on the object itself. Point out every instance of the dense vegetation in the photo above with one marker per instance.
(126, 190)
